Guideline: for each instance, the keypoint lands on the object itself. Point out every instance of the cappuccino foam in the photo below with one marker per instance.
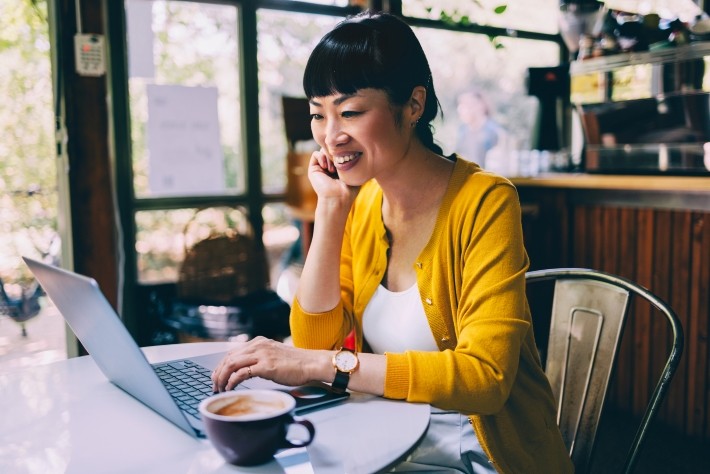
(246, 405)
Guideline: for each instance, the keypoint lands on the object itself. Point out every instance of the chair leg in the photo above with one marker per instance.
(24, 329)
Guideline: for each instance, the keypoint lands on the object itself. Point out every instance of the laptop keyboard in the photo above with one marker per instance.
(187, 382)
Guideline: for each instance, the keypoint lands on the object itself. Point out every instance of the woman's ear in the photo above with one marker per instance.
(416, 103)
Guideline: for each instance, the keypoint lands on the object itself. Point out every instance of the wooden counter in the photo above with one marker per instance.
(654, 230)
(690, 184)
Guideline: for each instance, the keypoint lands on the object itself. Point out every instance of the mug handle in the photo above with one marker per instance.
(301, 443)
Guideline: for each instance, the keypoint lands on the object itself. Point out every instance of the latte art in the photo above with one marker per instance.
(243, 405)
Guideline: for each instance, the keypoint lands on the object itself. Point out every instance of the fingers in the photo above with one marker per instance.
(264, 358)
(323, 162)
(238, 377)
(237, 366)
(231, 373)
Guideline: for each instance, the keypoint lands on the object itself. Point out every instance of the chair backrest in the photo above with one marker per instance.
(588, 312)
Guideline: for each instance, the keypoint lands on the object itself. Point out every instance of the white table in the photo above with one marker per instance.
(67, 417)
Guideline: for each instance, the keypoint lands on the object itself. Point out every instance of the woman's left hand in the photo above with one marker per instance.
(269, 359)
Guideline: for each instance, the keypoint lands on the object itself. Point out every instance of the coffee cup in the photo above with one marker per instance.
(247, 427)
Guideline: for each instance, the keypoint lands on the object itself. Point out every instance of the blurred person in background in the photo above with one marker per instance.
(478, 132)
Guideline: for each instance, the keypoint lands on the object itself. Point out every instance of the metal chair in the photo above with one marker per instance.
(588, 313)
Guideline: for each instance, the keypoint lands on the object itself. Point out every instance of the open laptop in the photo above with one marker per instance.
(167, 388)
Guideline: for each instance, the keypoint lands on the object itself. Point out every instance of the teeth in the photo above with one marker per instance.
(344, 158)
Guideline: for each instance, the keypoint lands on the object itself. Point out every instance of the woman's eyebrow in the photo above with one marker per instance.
(342, 98)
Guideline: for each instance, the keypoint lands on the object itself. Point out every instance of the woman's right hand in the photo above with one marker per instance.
(324, 179)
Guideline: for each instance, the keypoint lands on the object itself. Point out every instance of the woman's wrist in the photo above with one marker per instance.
(332, 208)
(321, 369)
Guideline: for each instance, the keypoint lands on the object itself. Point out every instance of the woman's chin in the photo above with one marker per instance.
(351, 180)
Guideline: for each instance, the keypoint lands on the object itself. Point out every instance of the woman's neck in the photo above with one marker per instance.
(417, 186)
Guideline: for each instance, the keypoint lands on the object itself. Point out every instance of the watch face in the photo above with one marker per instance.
(346, 361)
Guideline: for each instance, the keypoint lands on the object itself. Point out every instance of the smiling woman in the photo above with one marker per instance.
(421, 257)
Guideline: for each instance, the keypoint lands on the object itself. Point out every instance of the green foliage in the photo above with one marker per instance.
(457, 18)
(28, 174)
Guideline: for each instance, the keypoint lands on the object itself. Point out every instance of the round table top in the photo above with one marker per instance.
(67, 417)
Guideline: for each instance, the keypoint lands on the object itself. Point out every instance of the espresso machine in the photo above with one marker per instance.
(645, 113)
(550, 85)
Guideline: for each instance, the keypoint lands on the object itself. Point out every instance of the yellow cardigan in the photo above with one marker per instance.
(471, 277)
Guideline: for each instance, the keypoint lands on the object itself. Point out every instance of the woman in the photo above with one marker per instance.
(421, 256)
(478, 132)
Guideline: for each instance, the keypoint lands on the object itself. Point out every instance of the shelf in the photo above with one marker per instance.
(676, 54)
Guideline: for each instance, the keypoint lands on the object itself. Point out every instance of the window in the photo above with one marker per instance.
(285, 42)
(184, 91)
(217, 70)
(461, 61)
(532, 15)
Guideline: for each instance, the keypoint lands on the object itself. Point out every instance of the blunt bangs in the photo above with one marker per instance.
(343, 62)
(357, 55)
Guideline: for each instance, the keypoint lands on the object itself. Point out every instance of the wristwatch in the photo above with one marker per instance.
(345, 362)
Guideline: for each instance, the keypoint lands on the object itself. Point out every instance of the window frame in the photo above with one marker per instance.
(253, 199)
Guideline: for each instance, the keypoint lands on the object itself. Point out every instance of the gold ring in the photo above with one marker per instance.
(249, 370)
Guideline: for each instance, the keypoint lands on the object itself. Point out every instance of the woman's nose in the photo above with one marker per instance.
(335, 135)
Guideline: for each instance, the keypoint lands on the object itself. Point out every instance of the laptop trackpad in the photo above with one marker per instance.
(208, 361)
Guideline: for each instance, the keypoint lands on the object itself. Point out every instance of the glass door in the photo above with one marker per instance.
(32, 332)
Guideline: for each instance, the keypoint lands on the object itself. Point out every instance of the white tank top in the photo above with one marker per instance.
(394, 321)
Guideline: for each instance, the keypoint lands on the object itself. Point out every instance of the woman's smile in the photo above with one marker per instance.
(345, 161)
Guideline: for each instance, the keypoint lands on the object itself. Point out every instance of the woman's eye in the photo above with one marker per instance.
(316, 117)
(350, 113)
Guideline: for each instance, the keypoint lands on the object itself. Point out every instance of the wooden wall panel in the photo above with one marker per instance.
(696, 353)
(641, 313)
(679, 300)
(626, 267)
(668, 252)
(660, 282)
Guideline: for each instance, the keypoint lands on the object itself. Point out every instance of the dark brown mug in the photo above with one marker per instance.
(247, 427)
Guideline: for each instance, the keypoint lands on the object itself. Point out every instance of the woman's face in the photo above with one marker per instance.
(360, 134)
(471, 108)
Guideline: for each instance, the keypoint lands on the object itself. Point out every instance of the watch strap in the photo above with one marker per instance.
(340, 382)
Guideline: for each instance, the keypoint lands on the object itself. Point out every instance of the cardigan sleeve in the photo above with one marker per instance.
(482, 290)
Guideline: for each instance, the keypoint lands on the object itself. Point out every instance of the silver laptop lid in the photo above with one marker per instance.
(98, 327)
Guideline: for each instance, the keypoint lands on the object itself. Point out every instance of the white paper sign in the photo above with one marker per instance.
(185, 153)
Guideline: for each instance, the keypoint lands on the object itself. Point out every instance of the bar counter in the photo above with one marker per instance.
(691, 184)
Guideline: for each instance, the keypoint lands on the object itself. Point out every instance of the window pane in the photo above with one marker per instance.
(285, 42)
(497, 73)
(163, 237)
(160, 244)
(531, 15)
(184, 57)
(281, 240)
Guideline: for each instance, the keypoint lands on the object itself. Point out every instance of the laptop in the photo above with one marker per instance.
(172, 389)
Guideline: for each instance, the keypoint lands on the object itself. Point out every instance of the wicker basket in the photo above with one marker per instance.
(223, 267)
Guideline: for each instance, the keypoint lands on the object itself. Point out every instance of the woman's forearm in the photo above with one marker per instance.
(319, 284)
(368, 378)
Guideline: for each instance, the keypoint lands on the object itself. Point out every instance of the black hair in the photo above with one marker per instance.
(374, 50)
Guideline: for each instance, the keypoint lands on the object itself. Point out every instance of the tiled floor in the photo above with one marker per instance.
(44, 343)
